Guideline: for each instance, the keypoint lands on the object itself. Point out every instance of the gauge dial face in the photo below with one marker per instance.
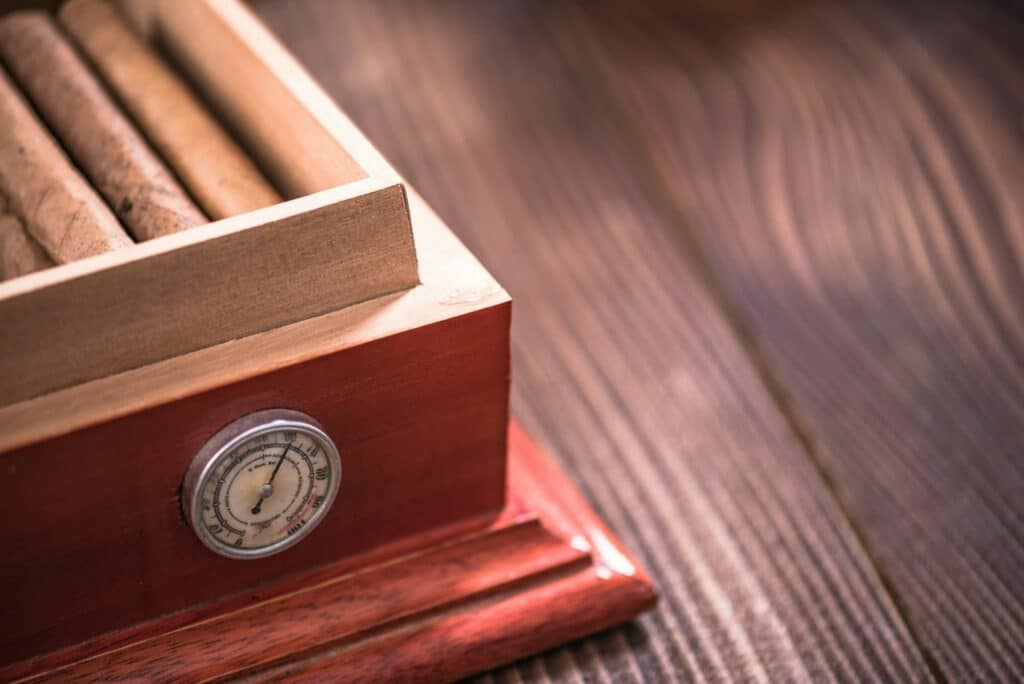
(262, 484)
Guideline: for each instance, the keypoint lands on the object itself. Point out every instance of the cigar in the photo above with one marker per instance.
(57, 205)
(215, 170)
(19, 253)
(101, 139)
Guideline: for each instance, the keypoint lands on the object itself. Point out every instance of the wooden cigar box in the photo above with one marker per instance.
(451, 545)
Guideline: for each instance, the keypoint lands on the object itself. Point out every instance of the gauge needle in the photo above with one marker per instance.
(256, 508)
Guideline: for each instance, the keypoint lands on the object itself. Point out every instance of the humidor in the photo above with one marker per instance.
(451, 547)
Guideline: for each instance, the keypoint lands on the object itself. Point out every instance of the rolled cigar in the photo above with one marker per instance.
(19, 253)
(141, 190)
(215, 170)
(58, 206)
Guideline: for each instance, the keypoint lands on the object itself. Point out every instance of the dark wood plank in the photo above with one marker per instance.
(852, 175)
(622, 365)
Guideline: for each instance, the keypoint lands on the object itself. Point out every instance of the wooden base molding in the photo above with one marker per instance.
(545, 571)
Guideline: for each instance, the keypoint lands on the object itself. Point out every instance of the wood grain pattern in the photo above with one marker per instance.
(452, 284)
(204, 286)
(622, 362)
(443, 398)
(544, 571)
(852, 176)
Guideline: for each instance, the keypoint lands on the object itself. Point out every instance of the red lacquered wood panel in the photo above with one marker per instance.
(547, 570)
(92, 521)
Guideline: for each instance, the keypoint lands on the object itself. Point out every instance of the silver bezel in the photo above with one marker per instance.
(229, 437)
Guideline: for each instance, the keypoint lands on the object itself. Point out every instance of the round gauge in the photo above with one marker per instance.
(261, 484)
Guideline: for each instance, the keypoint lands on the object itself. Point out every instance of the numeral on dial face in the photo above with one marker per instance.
(262, 484)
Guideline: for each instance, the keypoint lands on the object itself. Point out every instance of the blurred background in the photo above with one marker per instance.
(769, 305)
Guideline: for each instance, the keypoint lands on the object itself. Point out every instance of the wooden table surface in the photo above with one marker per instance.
(769, 307)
